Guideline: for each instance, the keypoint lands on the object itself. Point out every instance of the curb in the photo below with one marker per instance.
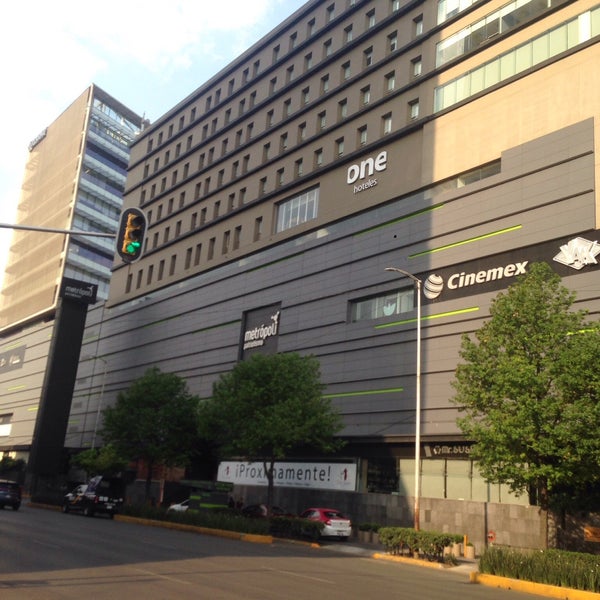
(541, 589)
(412, 561)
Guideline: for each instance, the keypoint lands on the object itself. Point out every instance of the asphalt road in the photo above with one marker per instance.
(48, 555)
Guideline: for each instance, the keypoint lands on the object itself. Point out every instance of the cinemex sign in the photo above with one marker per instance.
(361, 175)
(566, 256)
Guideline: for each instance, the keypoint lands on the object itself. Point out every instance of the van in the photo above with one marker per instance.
(103, 495)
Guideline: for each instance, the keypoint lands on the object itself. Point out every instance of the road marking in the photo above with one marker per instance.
(154, 574)
(39, 542)
(301, 575)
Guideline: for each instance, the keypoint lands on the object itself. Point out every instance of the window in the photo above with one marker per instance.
(226, 240)
(318, 157)
(266, 152)
(237, 234)
(255, 68)
(416, 66)
(395, 5)
(308, 61)
(257, 228)
(330, 13)
(161, 269)
(346, 70)
(287, 107)
(339, 147)
(371, 19)
(393, 42)
(390, 82)
(348, 34)
(324, 84)
(173, 264)
(386, 305)
(262, 186)
(197, 254)
(289, 74)
(245, 75)
(280, 177)
(283, 142)
(386, 121)
(301, 132)
(413, 109)
(211, 248)
(231, 202)
(297, 210)
(368, 57)
(270, 118)
(293, 40)
(311, 28)
(362, 135)
(342, 109)
(327, 48)
(230, 87)
(306, 95)
(322, 120)
(227, 117)
(216, 209)
(418, 25)
(188, 258)
(365, 95)
(299, 168)
(272, 85)
(276, 53)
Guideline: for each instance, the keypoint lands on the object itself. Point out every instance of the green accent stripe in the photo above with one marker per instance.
(467, 241)
(450, 313)
(16, 388)
(417, 213)
(365, 393)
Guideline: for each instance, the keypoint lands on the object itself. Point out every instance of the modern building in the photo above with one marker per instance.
(456, 140)
(74, 181)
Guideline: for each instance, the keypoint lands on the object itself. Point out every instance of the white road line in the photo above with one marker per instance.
(301, 575)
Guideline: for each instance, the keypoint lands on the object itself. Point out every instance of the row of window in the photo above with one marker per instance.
(215, 98)
(517, 60)
(499, 22)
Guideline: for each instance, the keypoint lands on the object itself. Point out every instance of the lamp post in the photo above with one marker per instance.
(99, 400)
(418, 284)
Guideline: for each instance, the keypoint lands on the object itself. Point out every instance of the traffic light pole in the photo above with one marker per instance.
(50, 230)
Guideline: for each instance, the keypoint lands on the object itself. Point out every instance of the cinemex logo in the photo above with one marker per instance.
(434, 284)
(364, 169)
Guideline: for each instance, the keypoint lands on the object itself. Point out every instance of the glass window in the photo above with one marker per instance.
(298, 209)
(392, 303)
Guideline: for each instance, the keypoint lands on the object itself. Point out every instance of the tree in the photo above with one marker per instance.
(100, 461)
(530, 389)
(268, 406)
(155, 421)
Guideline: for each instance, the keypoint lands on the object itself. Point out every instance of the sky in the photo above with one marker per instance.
(148, 54)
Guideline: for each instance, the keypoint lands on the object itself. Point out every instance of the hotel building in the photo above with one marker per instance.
(456, 140)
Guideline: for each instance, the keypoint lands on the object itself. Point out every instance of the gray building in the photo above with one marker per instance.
(456, 141)
(74, 180)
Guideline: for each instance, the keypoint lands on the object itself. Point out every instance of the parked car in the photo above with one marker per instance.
(10, 494)
(179, 506)
(103, 495)
(335, 523)
(260, 511)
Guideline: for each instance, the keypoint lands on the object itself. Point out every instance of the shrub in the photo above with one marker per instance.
(552, 567)
(431, 544)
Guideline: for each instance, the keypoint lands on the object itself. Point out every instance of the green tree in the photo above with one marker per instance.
(100, 461)
(155, 421)
(268, 406)
(530, 388)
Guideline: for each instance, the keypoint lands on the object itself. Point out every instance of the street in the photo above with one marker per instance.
(45, 554)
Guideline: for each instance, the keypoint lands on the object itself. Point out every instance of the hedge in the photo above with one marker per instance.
(430, 544)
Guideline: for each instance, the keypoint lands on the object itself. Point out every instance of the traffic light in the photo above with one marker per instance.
(130, 237)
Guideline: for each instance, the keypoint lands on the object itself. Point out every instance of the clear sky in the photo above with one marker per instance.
(148, 54)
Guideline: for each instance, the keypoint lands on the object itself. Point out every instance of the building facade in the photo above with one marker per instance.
(74, 180)
(454, 140)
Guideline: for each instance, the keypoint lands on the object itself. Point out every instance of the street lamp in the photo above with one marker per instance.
(418, 284)
(99, 400)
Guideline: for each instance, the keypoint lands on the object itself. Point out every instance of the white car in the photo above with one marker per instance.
(179, 507)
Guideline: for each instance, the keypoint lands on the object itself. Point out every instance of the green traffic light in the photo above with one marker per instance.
(132, 247)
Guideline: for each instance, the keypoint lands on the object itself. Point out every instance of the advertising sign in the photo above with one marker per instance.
(79, 291)
(260, 330)
(324, 476)
(12, 359)
(490, 273)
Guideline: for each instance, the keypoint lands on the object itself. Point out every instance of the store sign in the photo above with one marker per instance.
(12, 359)
(260, 330)
(361, 175)
(79, 291)
(565, 255)
(324, 476)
